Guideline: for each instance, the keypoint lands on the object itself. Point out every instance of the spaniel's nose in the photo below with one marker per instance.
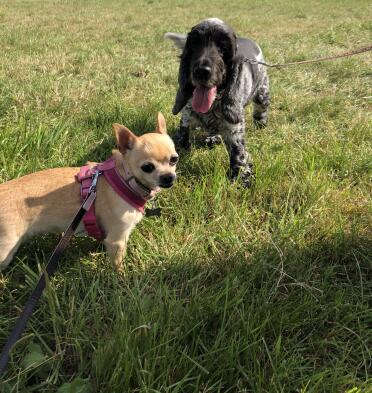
(202, 72)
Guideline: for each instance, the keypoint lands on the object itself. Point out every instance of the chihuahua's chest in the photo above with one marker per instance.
(114, 214)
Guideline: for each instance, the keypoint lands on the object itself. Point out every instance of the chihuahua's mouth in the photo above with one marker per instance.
(166, 185)
(203, 98)
(154, 192)
(151, 192)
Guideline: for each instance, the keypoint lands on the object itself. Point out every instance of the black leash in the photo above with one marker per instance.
(345, 54)
(49, 270)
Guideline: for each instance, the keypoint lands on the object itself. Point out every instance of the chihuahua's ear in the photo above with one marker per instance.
(161, 127)
(125, 139)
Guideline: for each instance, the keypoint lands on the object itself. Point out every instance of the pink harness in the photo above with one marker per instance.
(119, 185)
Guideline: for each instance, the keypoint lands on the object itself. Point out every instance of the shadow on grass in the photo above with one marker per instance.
(267, 313)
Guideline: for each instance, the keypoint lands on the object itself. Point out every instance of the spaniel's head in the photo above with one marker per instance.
(207, 57)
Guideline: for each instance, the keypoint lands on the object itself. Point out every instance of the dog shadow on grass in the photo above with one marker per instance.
(199, 292)
(37, 251)
(349, 255)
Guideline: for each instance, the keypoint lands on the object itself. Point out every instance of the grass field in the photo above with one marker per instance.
(231, 290)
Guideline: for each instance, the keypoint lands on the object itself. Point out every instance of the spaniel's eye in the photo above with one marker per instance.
(173, 160)
(222, 48)
(148, 168)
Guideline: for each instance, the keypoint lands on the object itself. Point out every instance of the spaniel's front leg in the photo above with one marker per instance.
(182, 137)
(240, 165)
(261, 102)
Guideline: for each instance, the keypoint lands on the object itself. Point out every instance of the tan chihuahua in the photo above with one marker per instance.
(46, 201)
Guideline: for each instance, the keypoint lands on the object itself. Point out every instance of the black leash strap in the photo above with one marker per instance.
(49, 270)
(345, 54)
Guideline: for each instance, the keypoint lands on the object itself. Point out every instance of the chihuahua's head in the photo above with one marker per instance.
(151, 158)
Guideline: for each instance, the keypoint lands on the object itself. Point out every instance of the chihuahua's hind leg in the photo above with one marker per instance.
(9, 243)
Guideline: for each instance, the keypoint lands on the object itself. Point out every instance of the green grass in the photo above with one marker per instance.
(265, 290)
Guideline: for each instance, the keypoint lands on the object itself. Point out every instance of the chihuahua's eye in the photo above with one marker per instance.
(173, 161)
(148, 168)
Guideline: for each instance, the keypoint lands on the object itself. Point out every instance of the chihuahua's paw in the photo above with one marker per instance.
(119, 267)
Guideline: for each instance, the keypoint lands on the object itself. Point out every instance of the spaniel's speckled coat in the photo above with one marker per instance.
(238, 83)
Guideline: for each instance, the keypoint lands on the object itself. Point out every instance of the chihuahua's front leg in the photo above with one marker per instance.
(116, 245)
(116, 249)
(118, 227)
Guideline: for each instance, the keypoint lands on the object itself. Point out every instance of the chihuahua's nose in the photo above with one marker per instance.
(166, 181)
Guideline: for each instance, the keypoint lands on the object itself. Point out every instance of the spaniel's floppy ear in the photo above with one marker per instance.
(179, 40)
(235, 44)
(185, 88)
(231, 104)
(229, 55)
(183, 95)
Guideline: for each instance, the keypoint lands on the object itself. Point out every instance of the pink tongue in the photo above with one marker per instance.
(203, 98)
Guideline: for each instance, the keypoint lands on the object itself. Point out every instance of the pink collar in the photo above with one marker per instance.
(130, 190)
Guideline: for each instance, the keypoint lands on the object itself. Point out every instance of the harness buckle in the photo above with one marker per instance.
(93, 186)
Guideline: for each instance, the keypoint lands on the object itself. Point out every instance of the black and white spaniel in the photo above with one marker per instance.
(216, 82)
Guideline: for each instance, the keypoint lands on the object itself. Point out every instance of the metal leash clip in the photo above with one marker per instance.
(93, 186)
(91, 196)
